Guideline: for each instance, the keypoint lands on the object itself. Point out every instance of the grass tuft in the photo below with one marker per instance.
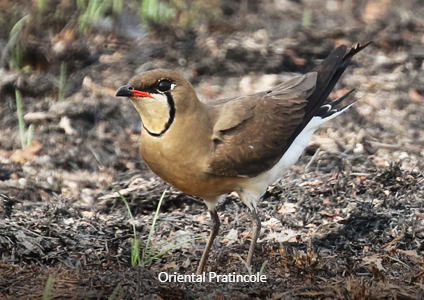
(14, 45)
(135, 242)
(152, 229)
(25, 135)
(93, 12)
(156, 11)
(249, 268)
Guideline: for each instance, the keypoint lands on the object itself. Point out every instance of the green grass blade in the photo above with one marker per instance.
(80, 4)
(128, 208)
(48, 288)
(307, 17)
(135, 252)
(117, 6)
(20, 118)
(41, 5)
(154, 221)
(249, 269)
(29, 135)
(116, 294)
(263, 267)
(135, 243)
(16, 29)
(62, 81)
(13, 44)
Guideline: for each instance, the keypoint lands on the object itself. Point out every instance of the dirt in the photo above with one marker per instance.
(346, 222)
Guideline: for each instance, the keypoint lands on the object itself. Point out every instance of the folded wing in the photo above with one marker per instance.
(252, 133)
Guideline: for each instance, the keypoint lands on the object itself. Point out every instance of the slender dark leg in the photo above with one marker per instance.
(256, 230)
(214, 232)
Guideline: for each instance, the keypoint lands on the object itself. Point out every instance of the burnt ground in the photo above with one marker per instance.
(347, 221)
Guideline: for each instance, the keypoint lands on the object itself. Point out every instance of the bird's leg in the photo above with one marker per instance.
(214, 232)
(256, 230)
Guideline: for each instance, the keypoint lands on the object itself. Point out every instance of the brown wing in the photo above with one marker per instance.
(250, 132)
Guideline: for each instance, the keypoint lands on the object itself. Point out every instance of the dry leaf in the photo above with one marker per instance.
(5, 154)
(314, 183)
(299, 61)
(418, 214)
(170, 265)
(88, 214)
(187, 263)
(412, 253)
(272, 223)
(287, 235)
(375, 10)
(245, 234)
(107, 59)
(231, 237)
(334, 177)
(392, 245)
(376, 260)
(14, 176)
(360, 179)
(28, 154)
(200, 219)
(414, 95)
(97, 88)
(327, 214)
(287, 208)
(376, 272)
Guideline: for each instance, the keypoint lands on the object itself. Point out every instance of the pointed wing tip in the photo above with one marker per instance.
(340, 99)
(358, 47)
(355, 49)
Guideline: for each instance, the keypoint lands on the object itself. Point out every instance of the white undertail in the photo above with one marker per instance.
(255, 187)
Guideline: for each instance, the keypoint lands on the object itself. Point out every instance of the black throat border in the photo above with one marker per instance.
(171, 116)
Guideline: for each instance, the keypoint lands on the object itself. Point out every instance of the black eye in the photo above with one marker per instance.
(164, 85)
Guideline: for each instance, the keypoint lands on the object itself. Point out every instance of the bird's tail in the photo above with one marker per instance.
(330, 110)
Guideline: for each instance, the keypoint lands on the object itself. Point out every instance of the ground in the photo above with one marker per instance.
(346, 222)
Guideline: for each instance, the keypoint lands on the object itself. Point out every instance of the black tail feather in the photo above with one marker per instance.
(355, 49)
(329, 72)
(329, 109)
(340, 99)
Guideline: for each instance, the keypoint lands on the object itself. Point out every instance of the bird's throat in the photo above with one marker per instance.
(157, 113)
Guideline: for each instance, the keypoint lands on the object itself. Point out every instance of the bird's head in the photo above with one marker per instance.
(158, 95)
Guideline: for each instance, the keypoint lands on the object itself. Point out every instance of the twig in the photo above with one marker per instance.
(312, 160)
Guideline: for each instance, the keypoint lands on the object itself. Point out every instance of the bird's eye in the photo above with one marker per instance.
(164, 85)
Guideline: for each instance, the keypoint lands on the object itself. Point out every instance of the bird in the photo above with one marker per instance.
(243, 144)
